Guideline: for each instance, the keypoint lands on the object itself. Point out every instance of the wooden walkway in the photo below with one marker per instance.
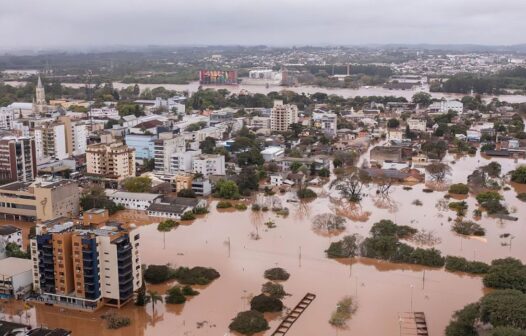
(413, 324)
(294, 314)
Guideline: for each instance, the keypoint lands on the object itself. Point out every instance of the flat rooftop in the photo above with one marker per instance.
(16, 186)
(13, 266)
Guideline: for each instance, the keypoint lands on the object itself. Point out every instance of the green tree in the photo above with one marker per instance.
(227, 189)
(508, 273)
(249, 323)
(188, 193)
(519, 175)
(208, 145)
(154, 297)
(393, 123)
(139, 184)
(463, 321)
(423, 99)
(493, 169)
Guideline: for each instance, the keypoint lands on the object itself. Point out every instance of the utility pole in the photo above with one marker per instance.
(412, 298)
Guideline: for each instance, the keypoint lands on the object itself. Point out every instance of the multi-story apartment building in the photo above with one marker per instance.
(282, 116)
(143, 144)
(7, 116)
(444, 106)
(164, 147)
(209, 164)
(85, 268)
(327, 122)
(114, 160)
(182, 161)
(221, 116)
(417, 125)
(50, 142)
(104, 113)
(76, 134)
(260, 122)
(17, 159)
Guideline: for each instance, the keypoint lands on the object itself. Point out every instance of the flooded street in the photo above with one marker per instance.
(382, 290)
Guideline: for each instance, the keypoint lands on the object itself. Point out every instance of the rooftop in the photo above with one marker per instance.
(131, 195)
(272, 150)
(16, 186)
(8, 229)
(13, 266)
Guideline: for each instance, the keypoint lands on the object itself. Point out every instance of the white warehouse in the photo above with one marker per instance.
(131, 200)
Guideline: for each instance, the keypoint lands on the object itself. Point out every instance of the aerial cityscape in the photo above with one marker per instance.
(281, 168)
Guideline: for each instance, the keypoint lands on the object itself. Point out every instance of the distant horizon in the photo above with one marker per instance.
(36, 50)
(60, 24)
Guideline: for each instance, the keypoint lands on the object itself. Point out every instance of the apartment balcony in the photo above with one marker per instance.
(125, 265)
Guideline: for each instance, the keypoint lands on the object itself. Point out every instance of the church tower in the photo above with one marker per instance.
(40, 105)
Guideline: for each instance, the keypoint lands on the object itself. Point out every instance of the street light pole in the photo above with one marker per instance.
(412, 298)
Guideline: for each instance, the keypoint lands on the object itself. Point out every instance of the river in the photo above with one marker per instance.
(346, 93)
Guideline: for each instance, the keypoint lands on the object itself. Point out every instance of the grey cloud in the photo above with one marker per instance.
(52, 23)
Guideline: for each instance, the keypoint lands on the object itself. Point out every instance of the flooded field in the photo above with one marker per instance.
(225, 241)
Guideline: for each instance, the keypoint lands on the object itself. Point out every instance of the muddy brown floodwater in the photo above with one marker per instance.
(382, 290)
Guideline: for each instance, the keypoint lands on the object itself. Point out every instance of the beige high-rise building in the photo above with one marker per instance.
(56, 199)
(115, 161)
(282, 116)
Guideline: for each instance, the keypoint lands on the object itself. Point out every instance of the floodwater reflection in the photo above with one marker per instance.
(222, 240)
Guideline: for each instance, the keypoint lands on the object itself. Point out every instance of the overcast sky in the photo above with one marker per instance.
(92, 23)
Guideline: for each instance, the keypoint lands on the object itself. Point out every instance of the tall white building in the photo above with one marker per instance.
(104, 112)
(164, 147)
(76, 135)
(327, 122)
(209, 165)
(282, 116)
(444, 106)
(50, 142)
(182, 161)
(7, 117)
(417, 125)
(80, 136)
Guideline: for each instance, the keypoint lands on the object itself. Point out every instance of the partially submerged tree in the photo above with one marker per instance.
(343, 312)
(348, 247)
(493, 169)
(438, 171)
(276, 274)
(351, 186)
(519, 175)
(153, 297)
(249, 323)
(263, 303)
(328, 223)
(274, 290)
